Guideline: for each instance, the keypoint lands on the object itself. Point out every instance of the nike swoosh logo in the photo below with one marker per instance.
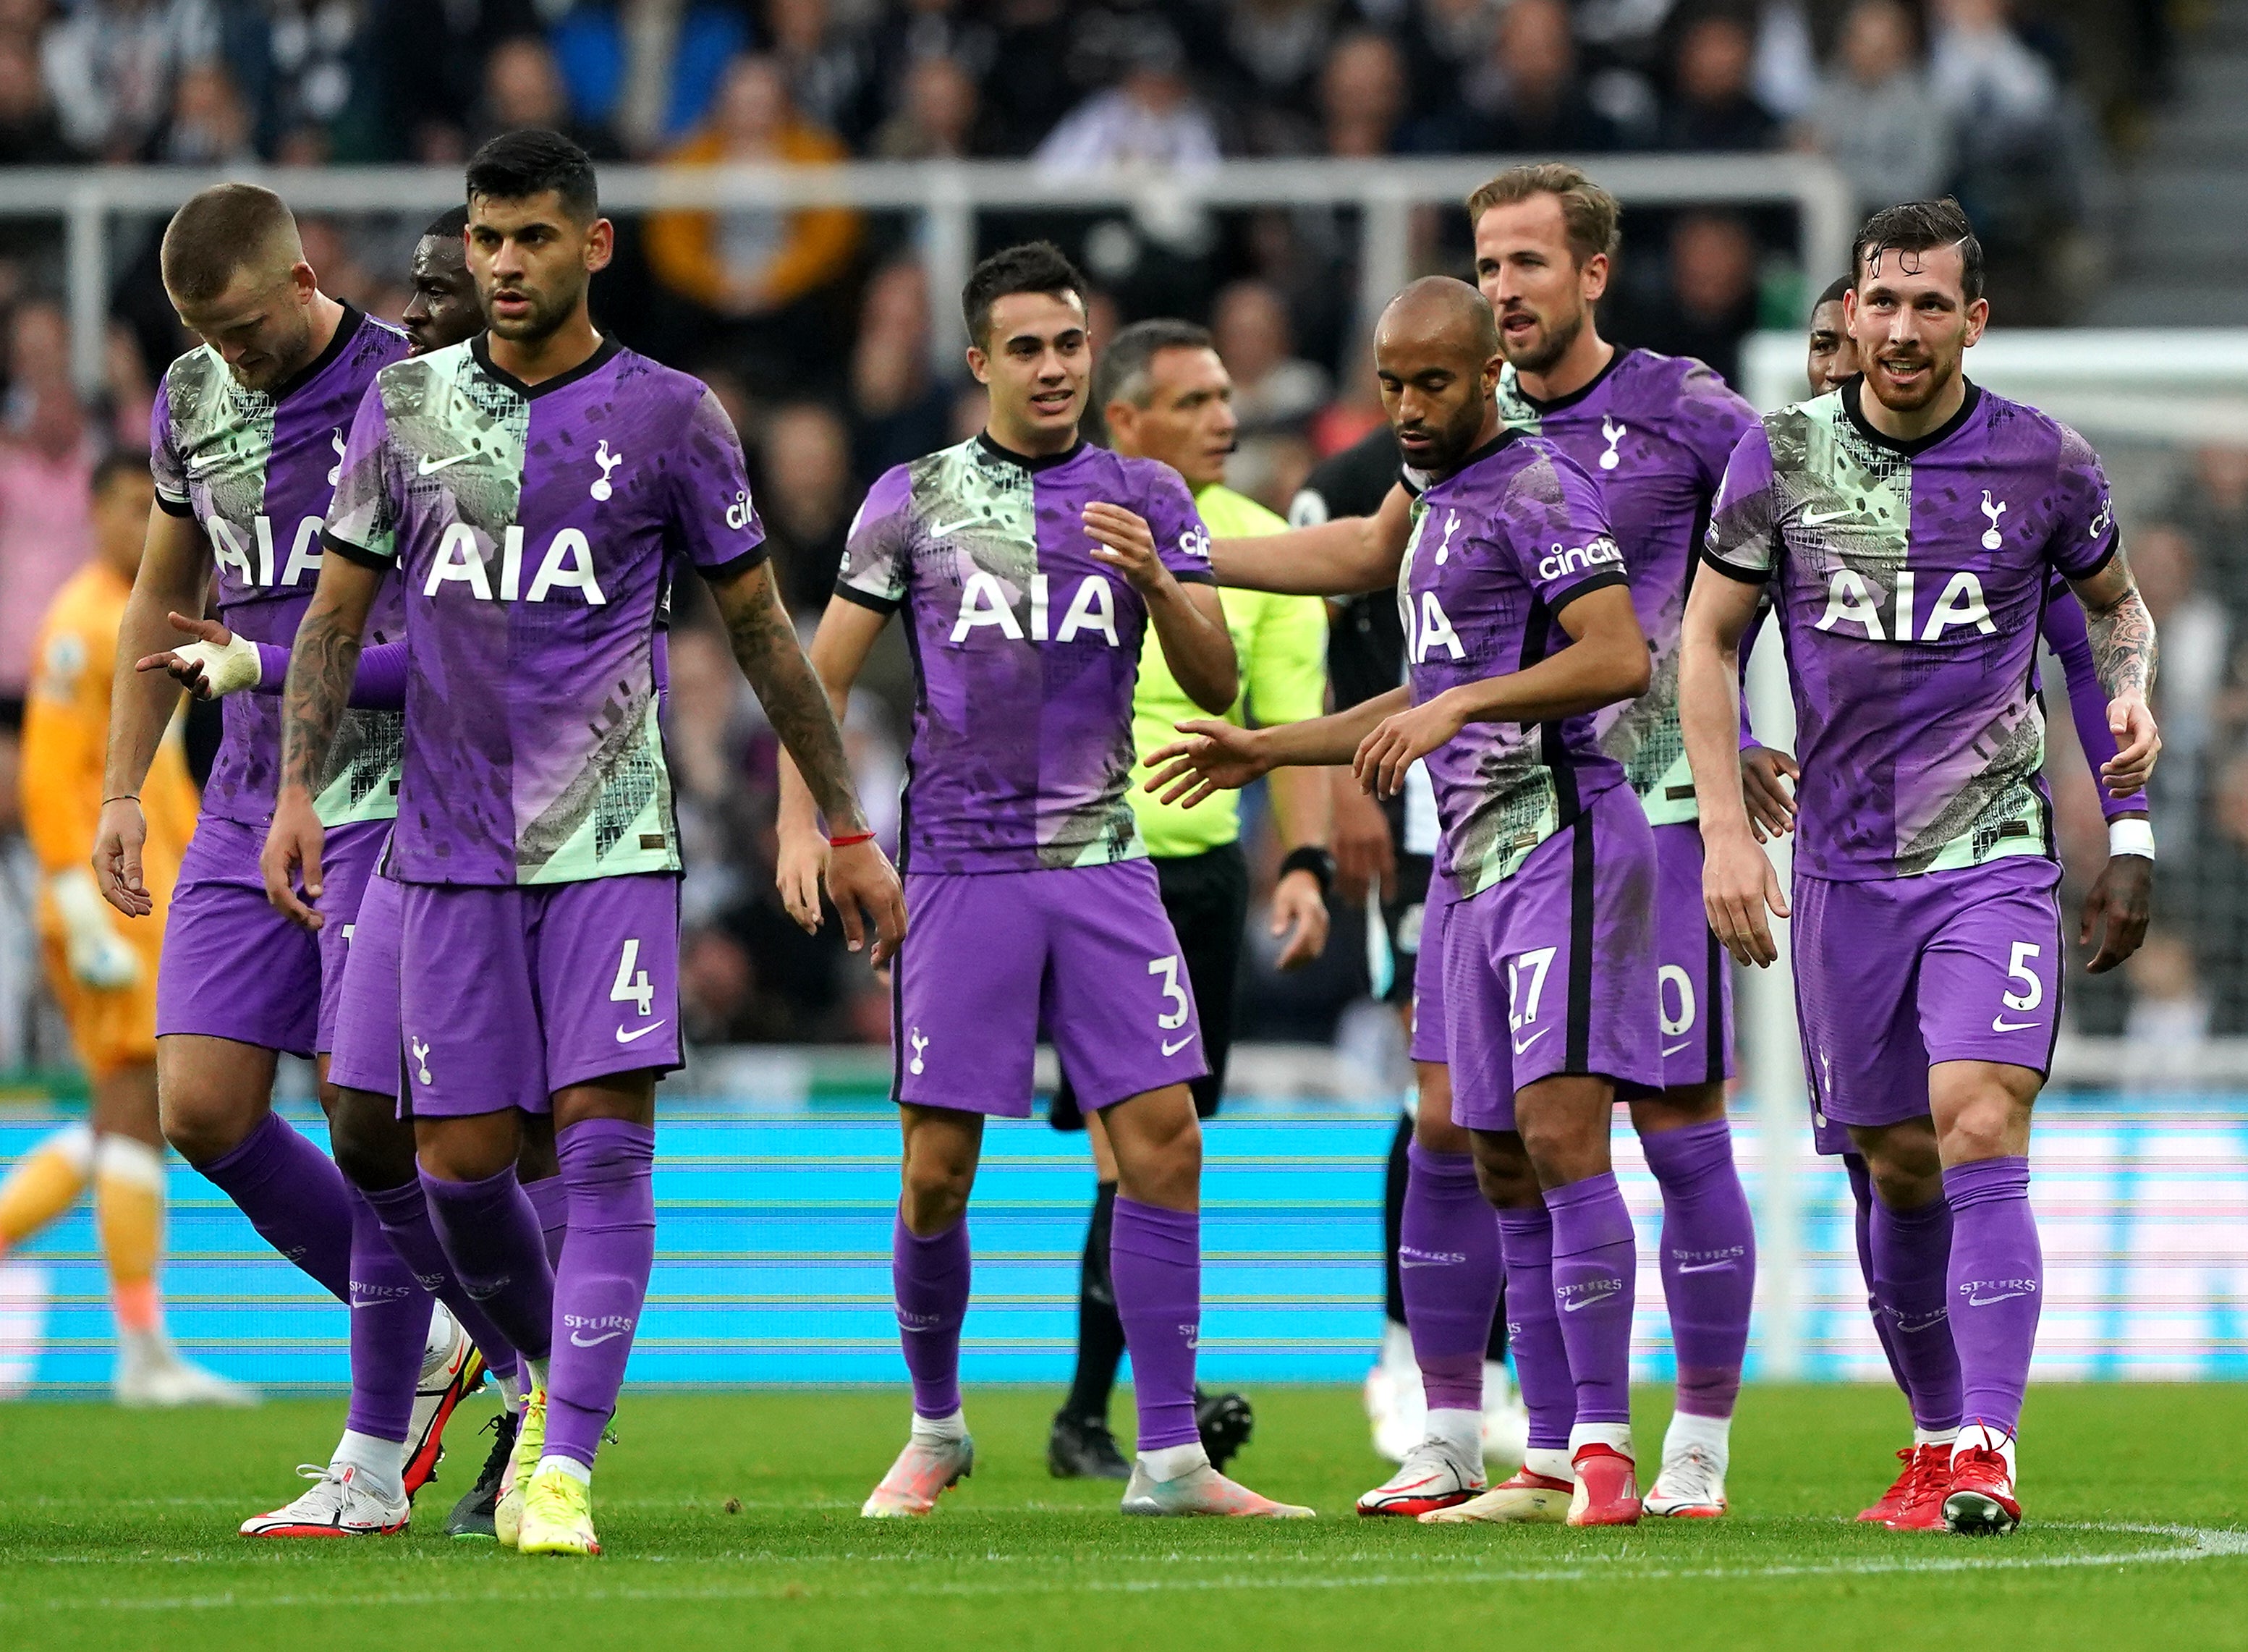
(1170, 1048)
(2000, 1024)
(430, 467)
(1985, 1301)
(1574, 1303)
(579, 1340)
(1820, 518)
(1704, 1267)
(1531, 1039)
(951, 527)
(1417, 1263)
(624, 1037)
(1673, 1049)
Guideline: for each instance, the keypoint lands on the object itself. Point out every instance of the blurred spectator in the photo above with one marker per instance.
(829, 68)
(1712, 107)
(648, 70)
(2212, 906)
(1273, 388)
(47, 450)
(2169, 1019)
(1362, 95)
(298, 70)
(209, 126)
(32, 1033)
(111, 66)
(1711, 304)
(805, 495)
(524, 87)
(939, 116)
(1444, 40)
(901, 411)
(31, 132)
(2196, 637)
(1526, 97)
(1981, 72)
(759, 270)
(2210, 503)
(949, 29)
(428, 57)
(1275, 50)
(1874, 114)
(708, 734)
(1151, 119)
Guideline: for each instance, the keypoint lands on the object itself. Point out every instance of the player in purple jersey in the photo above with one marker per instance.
(1519, 626)
(375, 1145)
(536, 849)
(1914, 1327)
(247, 435)
(1030, 567)
(1654, 433)
(1912, 521)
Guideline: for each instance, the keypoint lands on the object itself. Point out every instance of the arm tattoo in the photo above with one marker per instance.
(765, 646)
(2122, 634)
(321, 666)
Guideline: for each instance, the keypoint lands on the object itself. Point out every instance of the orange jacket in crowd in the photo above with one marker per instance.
(686, 249)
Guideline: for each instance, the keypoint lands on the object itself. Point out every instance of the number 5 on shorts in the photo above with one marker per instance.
(635, 990)
(1181, 1004)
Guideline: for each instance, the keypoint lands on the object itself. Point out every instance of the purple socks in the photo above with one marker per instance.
(1709, 1261)
(1996, 1279)
(295, 1197)
(1595, 1262)
(1447, 1260)
(404, 1212)
(1861, 1195)
(1534, 1327)
(608, 1165)
(490, 1235)
(389, 1328)
(1155, 1265)
(1911, 1251)
(930, 1279)
(549, 1196)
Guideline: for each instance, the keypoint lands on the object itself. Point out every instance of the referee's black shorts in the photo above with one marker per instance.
(1207, 896)
(1402, 910)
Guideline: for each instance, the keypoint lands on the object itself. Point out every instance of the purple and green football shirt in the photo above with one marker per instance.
(257, 470)
(1026, 651)
(1911, 579)
(1654, 432)
(1498, 548)
(531, 525)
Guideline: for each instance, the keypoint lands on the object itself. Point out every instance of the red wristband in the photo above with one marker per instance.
(848, 838)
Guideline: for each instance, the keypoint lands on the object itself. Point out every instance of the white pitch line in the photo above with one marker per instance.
(2188, 1542)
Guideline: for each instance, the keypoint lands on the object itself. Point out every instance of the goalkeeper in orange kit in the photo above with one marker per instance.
(104, 975)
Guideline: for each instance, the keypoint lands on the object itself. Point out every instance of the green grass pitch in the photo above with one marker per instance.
(116, 1531)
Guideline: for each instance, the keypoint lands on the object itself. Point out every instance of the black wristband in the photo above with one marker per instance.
(1314, 859)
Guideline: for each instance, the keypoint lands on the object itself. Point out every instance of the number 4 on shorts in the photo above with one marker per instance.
(635, 990)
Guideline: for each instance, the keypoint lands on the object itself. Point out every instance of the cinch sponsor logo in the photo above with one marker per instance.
(1195, 544)
(1896, 615)
(1092, 612)
(566, 566)
(252, 560)
(1558, 563)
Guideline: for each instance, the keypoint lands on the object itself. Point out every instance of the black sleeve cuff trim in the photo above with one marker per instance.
(1195, 576)
(1745, 576)
(727, 573)
(2113, 545)
(1590, 583)
(868, 599)
(175, 507)
(359, 554)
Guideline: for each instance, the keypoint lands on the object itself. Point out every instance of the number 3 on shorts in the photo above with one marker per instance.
(1169, 968)
(635, 990)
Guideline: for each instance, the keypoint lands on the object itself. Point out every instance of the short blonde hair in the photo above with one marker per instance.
(1588, 212)
(222, 230)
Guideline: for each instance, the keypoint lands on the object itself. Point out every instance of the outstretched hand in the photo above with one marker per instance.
(1216, 757)
(215, 664)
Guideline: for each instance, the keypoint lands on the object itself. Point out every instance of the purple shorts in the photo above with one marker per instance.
(1551, 970)
(366, 1051)
(1428, 1042)
(232, 967)
(509, 994)
(1085, 954)
(1894, 974)
(1693, 974)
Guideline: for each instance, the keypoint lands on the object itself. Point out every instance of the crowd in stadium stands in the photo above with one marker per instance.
(814, 325)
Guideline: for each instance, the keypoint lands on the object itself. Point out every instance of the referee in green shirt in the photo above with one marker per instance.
(1165, 395)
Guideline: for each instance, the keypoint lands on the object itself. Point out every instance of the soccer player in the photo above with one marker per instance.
(1031, 567)
(1520, 625)
(1163, 394)
(105, 977)
(1915, 1331)
(1911, 520)
(375, 1146)
(248, 434)
(1385, 852)
(535, 845)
